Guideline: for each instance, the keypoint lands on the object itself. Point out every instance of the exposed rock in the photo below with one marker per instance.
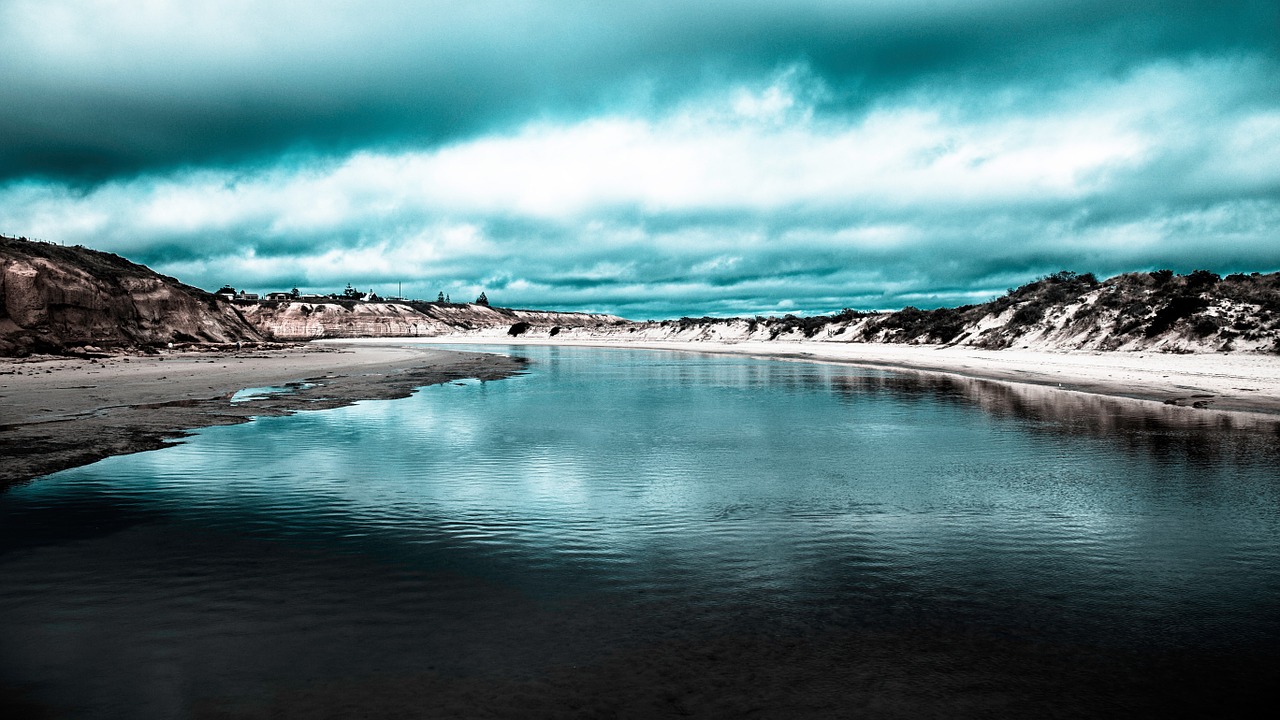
(59, 299)
(342, 319)
(1163, 312)
(308, 321)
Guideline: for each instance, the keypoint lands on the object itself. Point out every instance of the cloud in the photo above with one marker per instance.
(650, 158)
(95, 90)
(747, 197)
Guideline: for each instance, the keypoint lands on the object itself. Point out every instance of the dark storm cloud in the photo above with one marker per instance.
(650, 159)
(97, 90)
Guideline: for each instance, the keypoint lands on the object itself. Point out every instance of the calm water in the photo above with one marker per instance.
(676, 533)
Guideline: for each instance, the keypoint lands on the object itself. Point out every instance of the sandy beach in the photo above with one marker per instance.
(61, 412)
(1237, 383)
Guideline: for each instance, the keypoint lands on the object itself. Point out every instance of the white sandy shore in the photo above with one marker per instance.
(1230, 382)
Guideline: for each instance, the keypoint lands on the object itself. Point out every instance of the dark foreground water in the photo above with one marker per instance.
(636, 534)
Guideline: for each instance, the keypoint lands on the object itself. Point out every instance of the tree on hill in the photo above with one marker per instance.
(440, 297)
(483, 299)
(351, 292)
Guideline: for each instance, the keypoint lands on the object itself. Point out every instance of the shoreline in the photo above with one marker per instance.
(1242, 384)
(62, 412)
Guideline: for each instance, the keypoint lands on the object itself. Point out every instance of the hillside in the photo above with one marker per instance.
(57, 299)
(1159, 311)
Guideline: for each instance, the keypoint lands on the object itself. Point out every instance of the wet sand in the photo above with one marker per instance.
(58, 412)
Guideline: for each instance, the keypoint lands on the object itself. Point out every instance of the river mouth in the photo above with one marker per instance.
(661, 533)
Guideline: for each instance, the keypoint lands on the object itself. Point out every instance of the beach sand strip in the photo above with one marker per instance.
(59, 412)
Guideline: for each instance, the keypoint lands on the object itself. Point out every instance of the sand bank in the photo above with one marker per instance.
(58, 412)
(1248, 383)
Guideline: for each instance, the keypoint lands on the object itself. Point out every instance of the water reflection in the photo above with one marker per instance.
(624, 511)
(1201, 436)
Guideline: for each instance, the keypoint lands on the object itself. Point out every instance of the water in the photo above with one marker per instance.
(267, 391)
(677, 533)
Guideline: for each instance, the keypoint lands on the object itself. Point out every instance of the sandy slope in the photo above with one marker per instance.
(1241, 382)
(62, 412)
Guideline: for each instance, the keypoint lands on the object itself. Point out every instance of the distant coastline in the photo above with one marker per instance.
(1199, 312)
(60, 300)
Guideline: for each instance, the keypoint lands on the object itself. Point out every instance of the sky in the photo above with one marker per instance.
(651, 159)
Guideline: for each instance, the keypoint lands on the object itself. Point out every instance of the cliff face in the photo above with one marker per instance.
(53, 299)
(1162, 312)
(57, 298)
(340, 319)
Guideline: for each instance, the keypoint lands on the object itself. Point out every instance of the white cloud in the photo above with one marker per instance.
(700, 159)
(718, 181)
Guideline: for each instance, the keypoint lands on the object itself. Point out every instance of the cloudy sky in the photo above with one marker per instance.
(650, 158)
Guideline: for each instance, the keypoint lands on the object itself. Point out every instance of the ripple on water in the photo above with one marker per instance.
(606, 499)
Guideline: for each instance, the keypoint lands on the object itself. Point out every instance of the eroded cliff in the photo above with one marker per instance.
(55, 299)
(345, 319)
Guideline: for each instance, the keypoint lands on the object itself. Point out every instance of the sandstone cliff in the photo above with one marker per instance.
(54, 299)
(344, 319)
(1160, 311)
(57, 298)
